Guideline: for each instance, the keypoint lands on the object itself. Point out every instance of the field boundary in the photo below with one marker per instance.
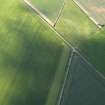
(66, 42)
(44, 17)
(39, 13)
(86, 12)
(65, 78)
(59, 75)
(60, 13)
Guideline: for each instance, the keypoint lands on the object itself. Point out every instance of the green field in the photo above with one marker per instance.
(50, 8)
(34, 60)
(83, 85)
(95, 9)
(32, 57)
(77, 29)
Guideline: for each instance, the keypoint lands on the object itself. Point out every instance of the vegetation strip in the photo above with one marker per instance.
(39, 13)
(65, 78)
(91, 18)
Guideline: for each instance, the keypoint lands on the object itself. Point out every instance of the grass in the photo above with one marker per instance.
(81, 32)
(95, 9)
(50, 8)
(30, 57)
(83, 86)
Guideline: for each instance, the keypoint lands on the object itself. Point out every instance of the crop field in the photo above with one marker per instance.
(94, 8)
(43, 65)
(32, 57)
(50, 8)
(83, 34)
(83, 85)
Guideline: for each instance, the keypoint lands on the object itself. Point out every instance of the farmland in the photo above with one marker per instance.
(49, 8)
(95, 9)
(32, 57)
(83, 85)
(83, 34)
(45, 65)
